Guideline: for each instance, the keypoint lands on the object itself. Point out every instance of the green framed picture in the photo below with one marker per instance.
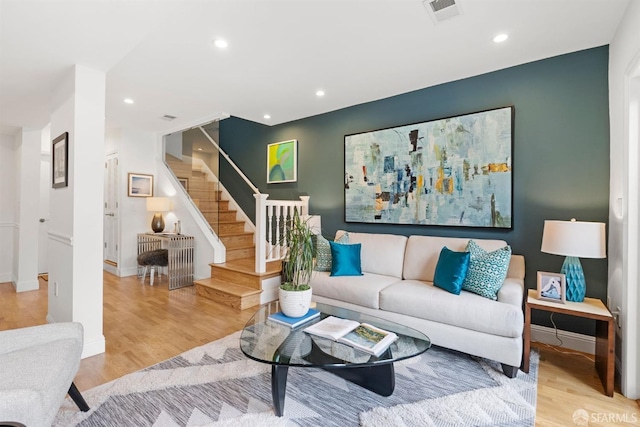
(282, 162)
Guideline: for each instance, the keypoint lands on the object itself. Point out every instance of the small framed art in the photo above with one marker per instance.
(282, 162)
(552, 286)
(140, 185)
(60, 169)
(184, 182)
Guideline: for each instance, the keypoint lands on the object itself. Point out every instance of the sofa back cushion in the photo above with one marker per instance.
(381, 253)
(422, 253)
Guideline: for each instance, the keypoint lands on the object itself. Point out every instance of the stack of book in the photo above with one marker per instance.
(362, 336)
(294, 322)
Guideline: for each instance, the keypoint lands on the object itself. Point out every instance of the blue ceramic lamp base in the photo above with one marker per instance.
(576, 286)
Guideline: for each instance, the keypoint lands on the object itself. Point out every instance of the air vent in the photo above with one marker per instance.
(168, 117)
(441, 10)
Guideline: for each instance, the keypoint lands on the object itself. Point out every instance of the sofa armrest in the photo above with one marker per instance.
(17, 339)
(512, 291)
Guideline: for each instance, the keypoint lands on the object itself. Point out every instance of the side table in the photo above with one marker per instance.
(591, 308)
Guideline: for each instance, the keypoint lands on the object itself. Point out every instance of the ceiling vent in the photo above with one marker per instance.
(168, 117)
(441, 10)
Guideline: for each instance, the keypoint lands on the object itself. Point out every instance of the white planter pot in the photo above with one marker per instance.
(294, 303)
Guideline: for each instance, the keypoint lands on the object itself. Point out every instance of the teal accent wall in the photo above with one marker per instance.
(560, 157)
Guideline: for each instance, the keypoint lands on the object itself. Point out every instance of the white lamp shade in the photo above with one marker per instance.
(158, 204)
(574, 238)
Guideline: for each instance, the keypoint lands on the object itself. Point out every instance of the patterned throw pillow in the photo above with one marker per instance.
(487, 270)
(323, 252)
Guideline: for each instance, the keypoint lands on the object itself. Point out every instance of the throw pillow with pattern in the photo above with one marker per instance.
(487, 270)
(323, 252)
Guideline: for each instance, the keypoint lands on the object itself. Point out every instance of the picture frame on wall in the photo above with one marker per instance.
(185, 183)
(60, 161)
(454, 171)
(140, 185)
(552, 287)
(282, 162)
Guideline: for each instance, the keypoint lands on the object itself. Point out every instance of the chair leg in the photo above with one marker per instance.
(144, 274)
(77, 398)
(153, 270)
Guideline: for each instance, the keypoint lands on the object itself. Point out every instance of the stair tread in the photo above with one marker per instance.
(247, 266)
(227, 287)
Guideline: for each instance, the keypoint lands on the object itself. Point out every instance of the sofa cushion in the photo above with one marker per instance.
(323, 252)
(345, 259)
(487, 270)
(467, 310)
(360, 290)
(451, 270)
(422, 254)
(381, 253)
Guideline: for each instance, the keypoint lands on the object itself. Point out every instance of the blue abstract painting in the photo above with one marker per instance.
(455, 171)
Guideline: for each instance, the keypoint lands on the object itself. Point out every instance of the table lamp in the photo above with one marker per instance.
(157, 205)
(574, 239)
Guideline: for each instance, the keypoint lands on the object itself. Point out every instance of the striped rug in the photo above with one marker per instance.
(216, 385)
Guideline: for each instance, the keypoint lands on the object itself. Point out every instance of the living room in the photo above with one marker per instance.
(573, 156)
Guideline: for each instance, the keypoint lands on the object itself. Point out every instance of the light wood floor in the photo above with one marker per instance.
(145, 325)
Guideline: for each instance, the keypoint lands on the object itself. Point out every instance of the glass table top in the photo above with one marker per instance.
(269, 342)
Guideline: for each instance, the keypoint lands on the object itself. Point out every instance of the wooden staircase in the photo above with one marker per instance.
(235, 282)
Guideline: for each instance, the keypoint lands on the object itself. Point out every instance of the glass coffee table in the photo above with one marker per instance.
(280, 346)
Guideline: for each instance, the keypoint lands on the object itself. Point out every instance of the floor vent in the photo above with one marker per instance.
(441, 10)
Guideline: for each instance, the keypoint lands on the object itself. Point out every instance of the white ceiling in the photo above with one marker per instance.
(159, 52)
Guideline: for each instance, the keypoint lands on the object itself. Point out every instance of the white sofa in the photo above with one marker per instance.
(397, 286)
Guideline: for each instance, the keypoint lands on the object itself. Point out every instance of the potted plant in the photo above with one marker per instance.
(297, 267)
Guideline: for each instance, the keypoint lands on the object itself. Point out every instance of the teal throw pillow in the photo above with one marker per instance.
(451, 270)
(345, 259)
(487, 270)
(323, 252)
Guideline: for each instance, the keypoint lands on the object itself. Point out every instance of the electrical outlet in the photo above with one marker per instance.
(608, 302)
(618, 321)
(55, 288)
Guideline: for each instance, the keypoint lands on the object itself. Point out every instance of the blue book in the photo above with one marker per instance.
(292, 322)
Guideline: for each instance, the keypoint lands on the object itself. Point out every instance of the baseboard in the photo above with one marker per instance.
(110, 268)
(27, 285)
(270, 289)
(93, 346)
(570, 340)
(126, 272)
(5, 277)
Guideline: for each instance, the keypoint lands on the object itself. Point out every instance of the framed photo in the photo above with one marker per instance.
(185, 183)
(456, 171)
(140, 185)
(282, 162)
(60, 169)
(552, 286)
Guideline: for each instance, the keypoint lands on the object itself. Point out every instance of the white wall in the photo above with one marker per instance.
(25, 271)
(76, 231)
(7, 202)
(624, 214)
(137, 153)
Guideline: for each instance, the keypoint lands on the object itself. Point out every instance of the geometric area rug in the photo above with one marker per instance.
(216, 385)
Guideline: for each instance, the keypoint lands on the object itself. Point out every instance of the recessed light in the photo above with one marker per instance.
(200, 149)
(266, 116)
(500, 38)
(220, 43)
(320, 93)
(128, 101)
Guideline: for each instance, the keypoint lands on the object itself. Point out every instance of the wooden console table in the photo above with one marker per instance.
(180, 247)
(591, 308)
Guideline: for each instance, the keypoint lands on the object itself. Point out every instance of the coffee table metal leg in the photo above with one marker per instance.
(278, 387)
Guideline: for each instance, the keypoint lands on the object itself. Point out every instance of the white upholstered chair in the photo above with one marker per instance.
(37, 367)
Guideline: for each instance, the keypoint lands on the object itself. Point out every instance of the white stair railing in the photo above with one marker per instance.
(272, 217)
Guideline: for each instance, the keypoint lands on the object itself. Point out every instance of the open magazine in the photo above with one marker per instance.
(362, 336)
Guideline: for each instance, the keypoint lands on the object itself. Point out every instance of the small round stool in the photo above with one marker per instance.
(153, 259)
